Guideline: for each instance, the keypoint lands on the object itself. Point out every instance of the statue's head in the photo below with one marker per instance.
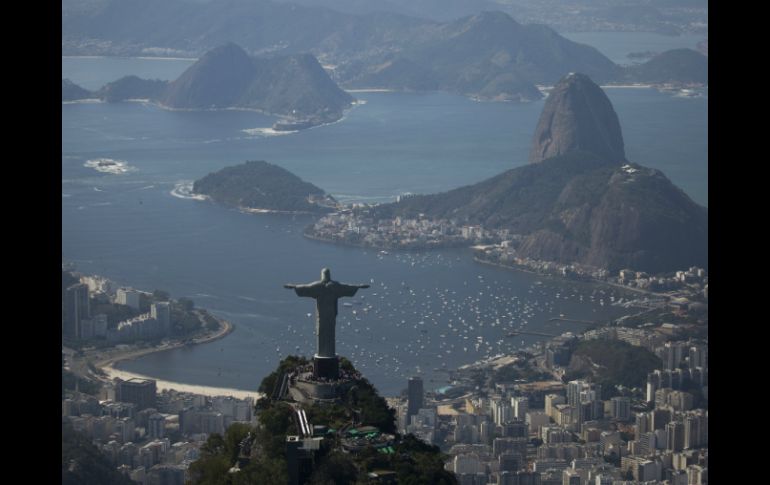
(326, 274)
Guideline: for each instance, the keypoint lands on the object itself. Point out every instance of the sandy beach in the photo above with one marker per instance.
(107, 361)
(178, 386)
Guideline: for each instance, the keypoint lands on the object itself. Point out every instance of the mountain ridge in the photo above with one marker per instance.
(488, 55)
(579, 206)
(294, 86)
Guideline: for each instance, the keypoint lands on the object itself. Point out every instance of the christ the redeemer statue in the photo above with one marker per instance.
(326, 293)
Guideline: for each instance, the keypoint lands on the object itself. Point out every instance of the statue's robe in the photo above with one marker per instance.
(326, 295)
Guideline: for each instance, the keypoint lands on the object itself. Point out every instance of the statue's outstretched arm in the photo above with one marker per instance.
(304, 290)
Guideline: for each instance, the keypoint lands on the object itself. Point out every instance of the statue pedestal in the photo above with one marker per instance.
(326, 367)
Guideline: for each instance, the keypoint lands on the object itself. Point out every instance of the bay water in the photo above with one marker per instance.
(425, 311)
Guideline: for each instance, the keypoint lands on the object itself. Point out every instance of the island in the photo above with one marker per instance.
(258, 186)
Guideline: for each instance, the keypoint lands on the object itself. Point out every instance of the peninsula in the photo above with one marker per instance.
(578, 202)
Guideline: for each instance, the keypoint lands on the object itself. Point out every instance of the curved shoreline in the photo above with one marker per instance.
(314, 237)
(476, 259)
(563, 278)
(107, 365)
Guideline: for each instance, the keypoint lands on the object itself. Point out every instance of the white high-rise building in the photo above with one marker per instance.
(161, 312)
(580, 391)
(520, 407)
(673, 354)
(501, 412)
(698, 356)
(674, 436)
(696, 430)
(574, 389)
(128, 297)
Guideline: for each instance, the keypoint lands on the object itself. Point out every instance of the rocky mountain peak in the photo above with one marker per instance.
(578, 116)
(215, 80)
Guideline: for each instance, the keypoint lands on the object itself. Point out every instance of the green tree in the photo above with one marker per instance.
(287, 364)
(82, 463)
(335, 469)
(424, 463)
(184, 322)
(186, 304)
(210, 469)
(264, 471)
(620, 363)
(233, 437)
(414, 462)
(276, 422)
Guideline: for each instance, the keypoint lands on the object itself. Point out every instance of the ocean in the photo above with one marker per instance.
(617, 45)
(425, 311)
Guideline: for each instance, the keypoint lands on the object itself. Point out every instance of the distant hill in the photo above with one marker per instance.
(294, 86)
(673, 66)
(585, 205)
(118, 27)
(72, 92)
(357, 424)
(488, 55)
(261, 185)
(442, 10)
(216, 80)
(132, 87)
(612, 362)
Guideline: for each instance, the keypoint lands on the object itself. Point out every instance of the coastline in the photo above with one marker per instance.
(482, 261)
(587, 280)
(257, 210)
(107, 362)
(191, 388)
(376, 247)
